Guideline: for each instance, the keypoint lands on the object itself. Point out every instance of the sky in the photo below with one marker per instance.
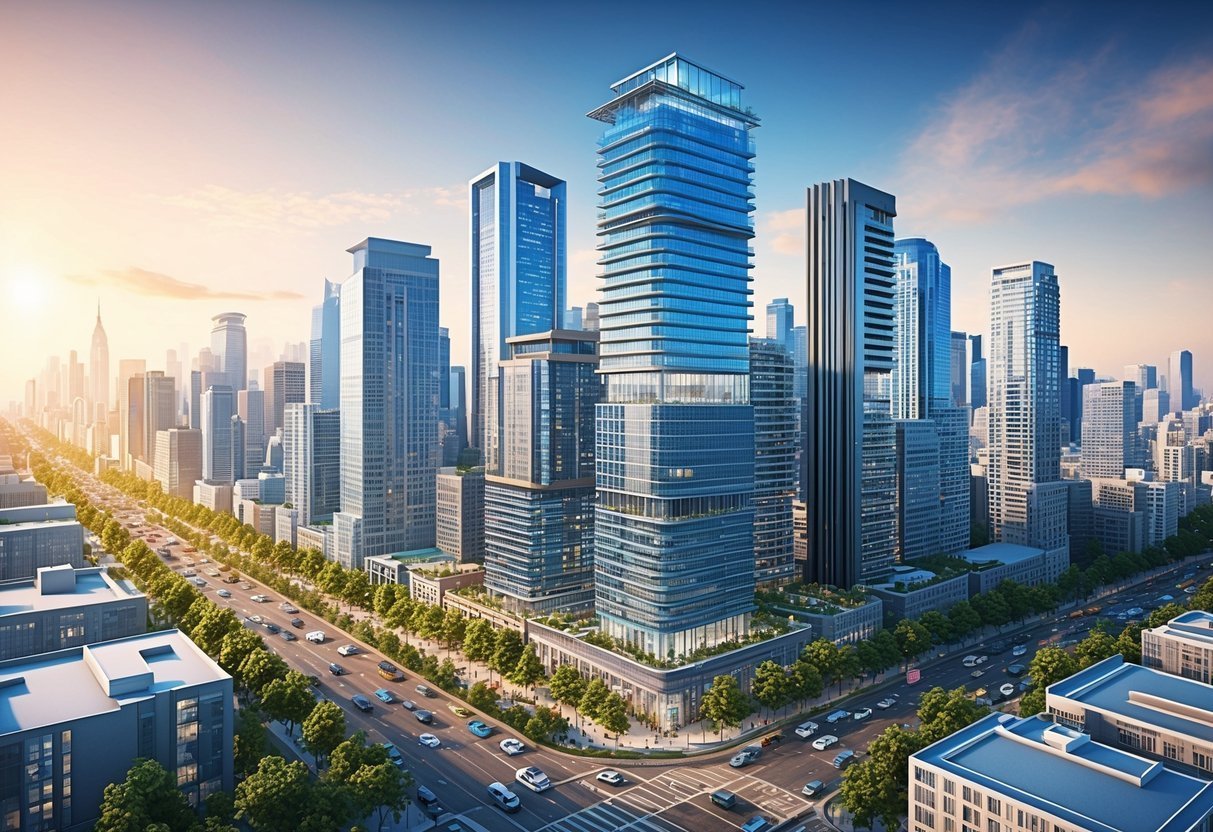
(177, 160)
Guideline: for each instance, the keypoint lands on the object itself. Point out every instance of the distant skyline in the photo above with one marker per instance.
(177, 161)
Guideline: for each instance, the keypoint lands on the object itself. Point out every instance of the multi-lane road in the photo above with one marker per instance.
(656, 796)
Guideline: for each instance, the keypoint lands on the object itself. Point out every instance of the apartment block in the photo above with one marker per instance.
(1183, 646)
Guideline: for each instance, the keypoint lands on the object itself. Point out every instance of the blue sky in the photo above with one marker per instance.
(181, 159)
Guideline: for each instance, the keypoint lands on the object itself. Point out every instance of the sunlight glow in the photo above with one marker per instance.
(26, 291)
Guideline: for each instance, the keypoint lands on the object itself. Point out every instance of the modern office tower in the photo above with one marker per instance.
(851, 335)
(1175, 456)
(286, 383)
(324, 353)
(154, 696)
(178, 462)
(1155, 406)
(1145, 376)
(159, 410)
(977, 373)
(218, 407)
(99, 367)
(311, 459)
(75, 376)
(539, 498)
(128, 368)
(236, 446)
(459, 527)
(389, 401)
(952, 425)
(800, 364)
(590, 320)
(1080, 517)
(1081, 378)
(229, 346)
(518, 275)
(195, 404)
(572, 318)
(1024, 413)
(918, 489)
(1109, 429)
(172, 369)
(1179, 381)
(781, 318)
(1182, 647)
(1063, 398)
(1165, 504)
(457, 415)
(960, 370)
(250, 405)
(924, 366)
(775, 441)
(136, 421)
(674, 532)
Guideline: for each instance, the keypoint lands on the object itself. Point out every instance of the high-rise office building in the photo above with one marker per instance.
(1024, 412)
(449, 435)
(250, 405)
(75, 376)
(518, 275)
(800, 363)
(1145, 376)
(849, 451)
(959, 370)
(924, 367)
(952, 425)
(159, 410)
(1155, 406)
(99, 368)
(285, 383)
(775, 442)
(457, 415)
(324, 350)
(590, 320)
(136, 421)
(218, 408)
(459, 527)
(1081, 378)
(389, 401)
(178, 463)
(229, 346)
(311, 459)
(1179, 381)
(1109, 429)
(128, 368)
(918, 488)
(539, 498)
(674, 535)
(781, 319)
(977, 373)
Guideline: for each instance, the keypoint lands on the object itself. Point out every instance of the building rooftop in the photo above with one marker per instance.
(60, 587)
(1196, 625)
(66, 685)
(1063, 772)
(431, 554)
(1001, 552)
(1142, 695)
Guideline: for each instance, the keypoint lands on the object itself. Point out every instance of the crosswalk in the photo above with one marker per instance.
(636, 809)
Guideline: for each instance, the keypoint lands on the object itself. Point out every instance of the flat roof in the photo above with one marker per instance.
(1195, 625)
(92, 587)
(432, 553)
(1150, 697)
(1003, 552)
(1063, 772)
(20, 525)
(54, 688)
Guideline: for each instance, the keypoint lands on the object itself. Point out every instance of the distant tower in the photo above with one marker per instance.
(99, 368)
(229, 344)
(1179, 381)
(781, 318)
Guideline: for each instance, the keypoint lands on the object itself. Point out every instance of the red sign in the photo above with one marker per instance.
(913, 675)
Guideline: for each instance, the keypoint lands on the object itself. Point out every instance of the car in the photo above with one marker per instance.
(189, 573)
(1007, 689)
(460, 711)
(1191, 590)
(348, 650)
(199, 582)
(389, 671)
(425, 691)
(822, 743)
(746, 756)
(511, 746)
(205, 560)
(429, 741)
(288, 608)
(756, 824)
(1134, 611)
(272, 627)
(813, 788)
(982, 659)
(224, 593)
(336, 669)
(260, 599)
(297, 623)
(533, 778)
(836, 716)
(478, 728)
(844, 759)
(806, 729)
(969, 661)
(862, 713)
(214, 573)
(1019, 650)
(1016, 670)
(424, 717)
(885, 704)
(428, 801)
(504, 798)
(393, 754)
(1166, 599)
(385, 696)
(610, 777)
(246, 586)
(287, 635)
(315, 637)
(362, 703)
(409, 705)
(231, 579)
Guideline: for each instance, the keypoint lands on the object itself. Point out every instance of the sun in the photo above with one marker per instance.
(26, 291)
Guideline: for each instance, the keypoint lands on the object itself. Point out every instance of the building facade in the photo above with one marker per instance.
(1109, 429)
(324, 350)
(33, 537)
(923, 361)
(218, 450)
(229, 347)
(178, 462)
(775, 442)
(1182, 647)
(311, 454)
(1179, 380)
(918, 489)
(459, 528)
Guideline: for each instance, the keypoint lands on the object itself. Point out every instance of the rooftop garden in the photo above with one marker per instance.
(445, 571)
(949, 566)
(815, 598)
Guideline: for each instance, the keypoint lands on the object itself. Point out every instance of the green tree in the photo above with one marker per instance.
(1097, 646)
(723, 704)
(249, 740)
(507, 650)
(772, 687)
(807, 680)
(567, 686)
(275, 797)
(938, 625)
(259, 668)
(1128, 643)
(482, 698)
(147, 797)
(823, 654)
(1049, 665)
(381, 788)
(323, 730)
(613, 716)
(592, 700)
(528, 670)
(913, 639)
(430, 624)
(877, 788)
(330, 807)
(942, 713)
(216, 624)
(1164, 614)
(479, 640)
(237, 647)
(454, 627)
(964, 619)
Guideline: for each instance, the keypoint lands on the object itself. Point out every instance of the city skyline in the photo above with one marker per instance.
(180, 237)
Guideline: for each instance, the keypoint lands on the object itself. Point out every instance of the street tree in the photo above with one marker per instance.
(323, 730)
(567, 686)
(613, 716)
(528, 670)
(507, 650)
(723, 704)
(275, 797)
(479, 640)
(913, 639)
(147, 797)
(381, 788)
(772, 687)
(592, 700)
(877, 788)
(249, 740)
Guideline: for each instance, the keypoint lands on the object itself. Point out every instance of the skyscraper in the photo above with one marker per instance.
(159, 410)
(458, 411)
(1179, 381)
(960, 369)
(287, 384)
(800, 362)
(539, 498)
(250, 405)
(952, 425)
(128, 368)
(781, 318)
(923, 367)
(389, 401)
(1145, 376)
(99, 368)
(135, 422)
(977, 373)
(1024, 411)
(218, 408)
(459, 527)
(918, 488)
(229, 346)
(178, 461)
(311, 459)
(1109, 428)
(324, 353)
(674, 533)
(849, 454)
(518, 274)
(775, 442)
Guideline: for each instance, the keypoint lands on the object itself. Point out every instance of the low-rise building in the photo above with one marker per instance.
(74, 721)
(840, 616)
(910, 592)
(319, 538)
(1025, 565)
(286, 521)
(16, 492)
(1031, 775)
(64, 607)
(217, 496)
(1183, 646)
(430, 585)
(1145, 711)
(394, 568)
(258, 515)
(32, 537)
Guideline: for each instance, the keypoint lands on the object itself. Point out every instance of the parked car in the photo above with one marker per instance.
(610, 777)
(362, 703)
(835, 716)
(199, 582)
(844, 759)
(260, 599)
(1019, 650)
(504, 798)
(822, 743)
(272, 627)
(1016, 670)
(288, 608)
(977, 674)
(511, 746)
(425, 691)
(1007, 690)
(806, 729)
(348, 650)
(756, 824)
(724, 799)
(429, 741)
(478, 728)
(813, 788)
(533, 778)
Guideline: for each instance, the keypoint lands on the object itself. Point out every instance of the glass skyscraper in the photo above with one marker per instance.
(781, 319)
(922, 366)
(675, 441)
(229, 344)
(311, 460)
(324, 353)
(775, 443)
(518, 275)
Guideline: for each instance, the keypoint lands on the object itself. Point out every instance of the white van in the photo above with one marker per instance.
(315, 637)
(806, 729)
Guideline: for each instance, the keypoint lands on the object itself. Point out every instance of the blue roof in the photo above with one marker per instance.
(1002, 552)
(1142, 695)
(1064, 773)
(1195, 624)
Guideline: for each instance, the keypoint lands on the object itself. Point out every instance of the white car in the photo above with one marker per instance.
(1019, 649)
(189, 573)
(315, 637)
(512, 746)
(885, 704)
(199, 582)
(822, 743)
(347, 649)
(260, 599)
(533, 778)
(1007, 690)
(863, 713)
(429, 741)
(611, 778)
(806, 729)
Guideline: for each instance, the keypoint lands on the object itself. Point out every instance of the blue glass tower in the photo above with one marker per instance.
(324, 355)
(674, 558)
(923, 357)
(518, 276)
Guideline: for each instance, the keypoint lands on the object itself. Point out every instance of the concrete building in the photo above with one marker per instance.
(251, 408)
(16, 492)
(918, 490)
(178, 462)
(102, 706)
(1155, 406)
(218, 409)
(998, 562)
(837, 623)
(319, 538)
(394, 568)
(910, 592)
(64, 607)
(32, 537)
(285, 384)
(1109, 429)
(1030, 775)
(459, 529)
(775, 468)
(1182, 647)
(217, 496)
(430, 586)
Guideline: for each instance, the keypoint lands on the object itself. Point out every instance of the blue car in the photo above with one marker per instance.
(479, 728)
(385, 696)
